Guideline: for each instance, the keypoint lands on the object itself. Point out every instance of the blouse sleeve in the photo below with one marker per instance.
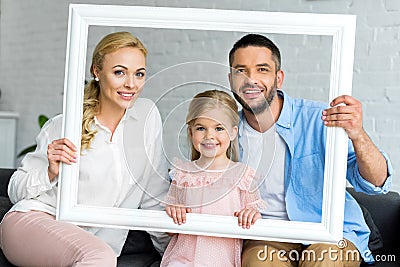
(157, 166)
(156, 188)
(31, 179)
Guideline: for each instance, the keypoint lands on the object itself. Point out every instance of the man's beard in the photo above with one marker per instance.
(263, 105)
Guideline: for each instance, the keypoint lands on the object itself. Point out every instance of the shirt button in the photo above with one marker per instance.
(288, 125)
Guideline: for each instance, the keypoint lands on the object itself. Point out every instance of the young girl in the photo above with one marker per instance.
(212, 183)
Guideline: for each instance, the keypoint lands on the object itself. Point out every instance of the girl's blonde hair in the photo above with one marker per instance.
(109, 44)
(208, 101)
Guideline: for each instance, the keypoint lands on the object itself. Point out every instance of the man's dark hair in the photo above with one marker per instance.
(258, 41)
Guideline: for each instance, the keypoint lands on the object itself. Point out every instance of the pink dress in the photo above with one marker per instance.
(215, 193)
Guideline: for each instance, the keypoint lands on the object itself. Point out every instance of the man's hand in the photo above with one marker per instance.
(345, 112)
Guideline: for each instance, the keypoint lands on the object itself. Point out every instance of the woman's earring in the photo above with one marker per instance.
(96, 79)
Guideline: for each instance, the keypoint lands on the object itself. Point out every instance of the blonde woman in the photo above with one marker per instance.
(117, 161)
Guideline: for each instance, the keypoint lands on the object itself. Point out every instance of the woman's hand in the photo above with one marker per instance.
(247, 217)
(60, 150)
(178, 213)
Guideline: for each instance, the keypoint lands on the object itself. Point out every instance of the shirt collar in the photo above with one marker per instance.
(241, 122)
(130, 113)
(285, 118)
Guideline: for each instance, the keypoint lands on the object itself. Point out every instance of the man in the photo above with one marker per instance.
(296, 128)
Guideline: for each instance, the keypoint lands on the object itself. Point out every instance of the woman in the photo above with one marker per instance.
(117, 161)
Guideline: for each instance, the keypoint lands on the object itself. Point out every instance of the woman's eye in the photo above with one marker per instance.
(219, 129)
(119, 73)
(200, 128)
(140, 74)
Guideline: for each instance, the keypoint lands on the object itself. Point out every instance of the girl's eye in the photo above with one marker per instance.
(200, 128)
(219, 129)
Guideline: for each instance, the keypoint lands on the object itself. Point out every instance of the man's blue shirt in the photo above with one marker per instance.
(302, 129)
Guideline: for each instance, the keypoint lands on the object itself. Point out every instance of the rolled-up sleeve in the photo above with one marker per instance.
(362, 185)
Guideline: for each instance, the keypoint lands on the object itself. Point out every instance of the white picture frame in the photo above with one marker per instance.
(342, 30)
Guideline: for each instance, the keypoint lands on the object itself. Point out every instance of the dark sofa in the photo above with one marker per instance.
(384, 210)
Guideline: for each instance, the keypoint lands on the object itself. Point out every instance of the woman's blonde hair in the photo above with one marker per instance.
(208, 101)
(109, 44)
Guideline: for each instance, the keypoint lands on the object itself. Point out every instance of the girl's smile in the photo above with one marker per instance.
(211, 135)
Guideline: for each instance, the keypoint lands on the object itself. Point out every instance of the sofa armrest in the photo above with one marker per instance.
(385, 212)
(5, 175)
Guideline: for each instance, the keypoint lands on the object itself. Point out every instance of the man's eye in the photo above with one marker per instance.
(263, 69)
(200, 128)
(239, 71)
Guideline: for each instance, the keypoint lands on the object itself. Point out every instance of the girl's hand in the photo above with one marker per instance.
(178, 213)
(247, 217)
(60, 150)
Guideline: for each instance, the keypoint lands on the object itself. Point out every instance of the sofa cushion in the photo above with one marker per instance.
(138, 251)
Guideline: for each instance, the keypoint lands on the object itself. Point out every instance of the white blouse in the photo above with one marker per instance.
(112, 173)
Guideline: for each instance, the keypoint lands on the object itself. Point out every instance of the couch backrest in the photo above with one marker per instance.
(5, 175)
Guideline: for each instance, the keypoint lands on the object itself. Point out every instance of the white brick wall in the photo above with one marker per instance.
(33, 41)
